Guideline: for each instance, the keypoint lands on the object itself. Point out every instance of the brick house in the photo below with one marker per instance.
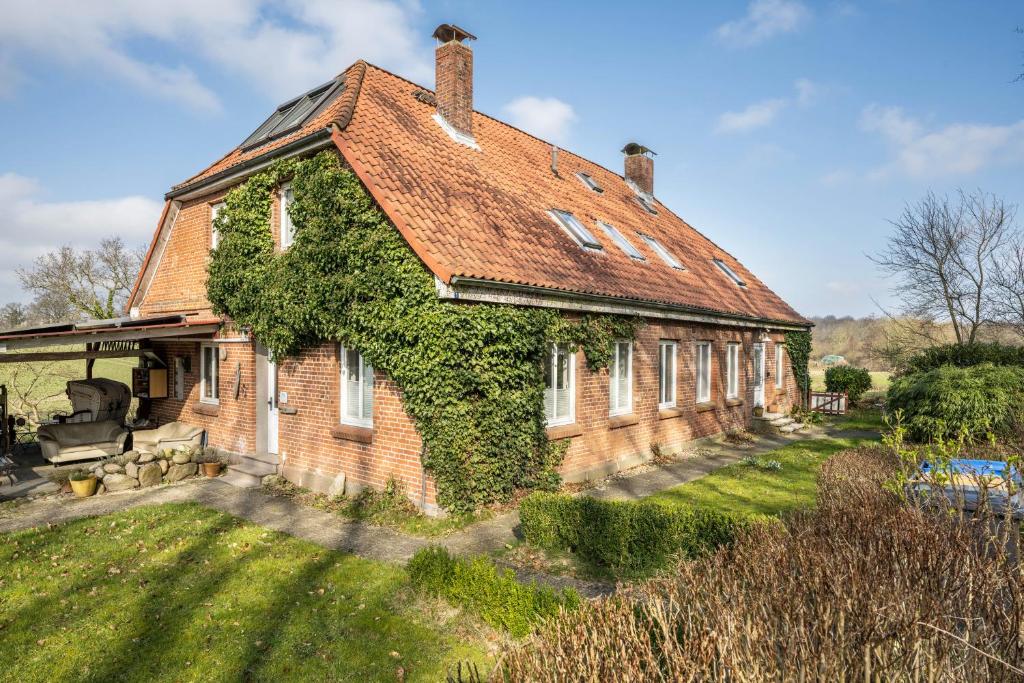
(496, 215)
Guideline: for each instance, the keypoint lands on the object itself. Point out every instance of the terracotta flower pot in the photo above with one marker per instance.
(84, 488)
(211, 469)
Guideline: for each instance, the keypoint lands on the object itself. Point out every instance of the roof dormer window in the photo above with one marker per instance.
(724, 267)
(576, 229)
(661, 251)
(647, 202)
(620, 240)
(589, 181)
(293, 113)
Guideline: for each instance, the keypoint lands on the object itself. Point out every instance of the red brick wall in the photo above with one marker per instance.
(233, 426)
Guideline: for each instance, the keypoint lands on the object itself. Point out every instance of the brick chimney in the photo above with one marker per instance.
(640, 167)
(453, 87)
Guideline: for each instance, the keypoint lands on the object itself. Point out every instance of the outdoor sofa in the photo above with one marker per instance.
(171, 436)
(81, 440)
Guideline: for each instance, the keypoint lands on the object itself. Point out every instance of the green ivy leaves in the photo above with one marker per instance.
(471, 375)
(798, 347)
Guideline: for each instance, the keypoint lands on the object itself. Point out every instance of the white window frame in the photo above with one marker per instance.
(666, 256)
(729, 272)
(780, 365)
(205, 381)
(365, 370)
(285, 222)
(614, 407)
(620, 239)
(552, 358)
(589, 181)
(574, 227)
(702, 370)
(215, 210)
(667, 361)
(732, 370)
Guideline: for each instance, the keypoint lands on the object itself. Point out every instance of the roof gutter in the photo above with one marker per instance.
(315, 140)
(490, 291)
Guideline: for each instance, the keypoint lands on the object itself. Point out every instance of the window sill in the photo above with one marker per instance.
(287, 409)
(780, 391)
(564, 431)
(617, 421)
(352, 433)
(705, 407)
(733, 402)
(208, 409)
(669, 413)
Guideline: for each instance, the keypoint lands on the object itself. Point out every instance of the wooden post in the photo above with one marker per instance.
(90, 362)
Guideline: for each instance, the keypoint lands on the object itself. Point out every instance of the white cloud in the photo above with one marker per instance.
(807, 91)
(764, 20)
(546, 117)
(756, 115)
(282, 48)
(30, 226)
(955, 149)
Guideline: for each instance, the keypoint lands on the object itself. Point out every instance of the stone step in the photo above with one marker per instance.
(256, 468)
(241, 479)
(791, 428)
(269, 458)
(782, 421)
(768, 417)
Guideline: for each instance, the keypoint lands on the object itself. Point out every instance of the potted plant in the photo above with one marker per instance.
(211, 463)
(83, 483)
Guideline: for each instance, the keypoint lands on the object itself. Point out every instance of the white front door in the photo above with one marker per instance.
(758, 375)
(272, 410)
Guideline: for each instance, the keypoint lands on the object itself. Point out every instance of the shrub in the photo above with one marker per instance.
(495, 595)
(861, 588)
(949, 402)
(849, 380)
(624, 537)
(965, 356)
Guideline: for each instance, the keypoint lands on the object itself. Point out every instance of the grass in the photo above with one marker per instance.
(389, 508)
(53, 376)
(879, 382)
(183, 593)
(748, 490)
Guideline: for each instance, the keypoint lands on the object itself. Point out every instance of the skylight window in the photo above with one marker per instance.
(293, 113)
(620, 240)
(647, 202)
(587, 180)
(661, 251)
(724, 267)
(576, 229)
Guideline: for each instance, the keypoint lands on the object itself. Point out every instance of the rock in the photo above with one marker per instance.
(132, 470)
(181, 471)
(337, 487)
(112, 468)
(149, 474)
(132, 456)
(119, 482)
(146, 457)
(98, 472)
(163, 466)
(101, 489)
(182, 457)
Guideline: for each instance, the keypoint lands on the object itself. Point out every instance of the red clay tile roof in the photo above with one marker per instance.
(483, 214)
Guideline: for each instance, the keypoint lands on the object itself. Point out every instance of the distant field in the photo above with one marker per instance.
(45, 382)
(879, 381)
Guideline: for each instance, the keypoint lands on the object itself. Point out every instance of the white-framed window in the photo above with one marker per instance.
(662, 252)
(560, 386)
(780, 364)
(732, 371)
(589, 181)
(724, 267)
(620, 240)
(179, 378)
(620, 373)
(703, 367)
(215, 210)
(356, 389)
(209, 373)
(666, 374)
(287, 228)
(576, 229)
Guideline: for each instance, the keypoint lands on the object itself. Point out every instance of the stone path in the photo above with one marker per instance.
(332, 531)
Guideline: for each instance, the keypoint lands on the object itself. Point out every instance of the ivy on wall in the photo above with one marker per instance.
(471, 375)
(798, 347)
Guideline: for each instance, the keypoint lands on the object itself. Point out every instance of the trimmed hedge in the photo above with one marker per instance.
(849, 380)
(479, 586)
(625, 537)
(965, 356)
(949, 401)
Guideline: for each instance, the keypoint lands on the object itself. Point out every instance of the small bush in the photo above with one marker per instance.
(495, 595)
(950, 402)
(624, 537)
(848, 380)
(965, 356)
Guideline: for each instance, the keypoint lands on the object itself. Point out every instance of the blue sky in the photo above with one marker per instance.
(787, 131)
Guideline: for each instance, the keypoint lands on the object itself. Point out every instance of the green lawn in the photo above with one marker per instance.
(183, 593)
(879, 381)
(44, 382)
(743, 489)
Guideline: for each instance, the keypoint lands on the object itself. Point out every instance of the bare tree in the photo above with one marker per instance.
(94, 283)
(1009, 281)
(13, 315)
(943, 256)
